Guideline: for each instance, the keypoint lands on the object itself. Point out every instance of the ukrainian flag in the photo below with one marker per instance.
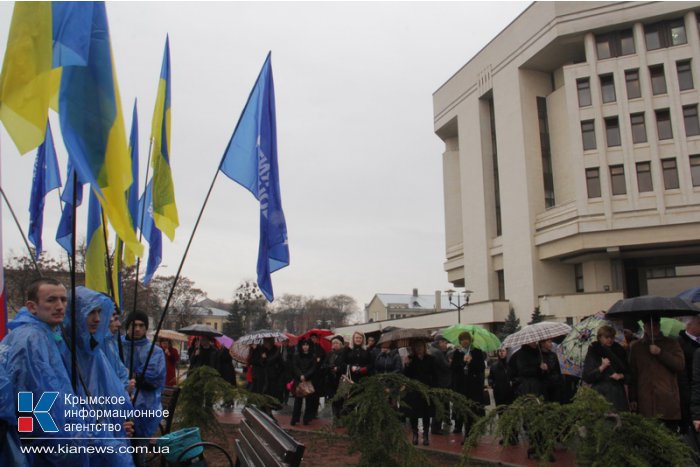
(95, 252)
(93, 128)
(164, 208)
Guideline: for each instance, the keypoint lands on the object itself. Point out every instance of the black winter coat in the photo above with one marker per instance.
(388, 362)
(685, 378)
(468, 378)
(333, 367)
(501, 382)
(360, 358)
(423, 370)
(529, 377)
(613, 391)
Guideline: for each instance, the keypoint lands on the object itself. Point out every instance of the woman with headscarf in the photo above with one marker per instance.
(303, 368)
(605, 368)
(421, 367)
(358, 358)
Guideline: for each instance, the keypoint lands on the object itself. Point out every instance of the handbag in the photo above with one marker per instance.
(345, 384)
(305, 388)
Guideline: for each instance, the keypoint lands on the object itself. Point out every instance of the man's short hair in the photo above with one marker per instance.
(35, 285)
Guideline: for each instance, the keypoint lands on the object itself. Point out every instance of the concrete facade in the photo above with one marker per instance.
(533, 218)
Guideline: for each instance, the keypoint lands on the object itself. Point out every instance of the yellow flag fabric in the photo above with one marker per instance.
(164, 208)
(28, 83)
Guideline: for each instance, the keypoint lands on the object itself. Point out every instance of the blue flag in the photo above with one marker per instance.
(133, 192)
(64, 233)
(251, 160)
(46, 178)
(152, 234)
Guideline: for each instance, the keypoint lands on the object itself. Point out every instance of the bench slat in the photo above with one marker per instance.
(283, 444)
(264, 451)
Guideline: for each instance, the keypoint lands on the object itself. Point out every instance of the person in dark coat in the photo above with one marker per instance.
(319, 376)
(372, 346)
(695, 392)
(204, 353)
(334, 367)
(468, 368)
(358, 358)
(529, 371)
(421, 367)
(303, 368)
(388, 359)
(268, 369)
(438, 350)
(500, 379)
(605, 368)
(554, 381)
(689, 339)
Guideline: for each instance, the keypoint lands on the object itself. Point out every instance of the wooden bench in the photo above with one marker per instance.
(263, 443)
(168, 400)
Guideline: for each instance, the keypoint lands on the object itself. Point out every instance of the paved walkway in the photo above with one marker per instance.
(488, 449)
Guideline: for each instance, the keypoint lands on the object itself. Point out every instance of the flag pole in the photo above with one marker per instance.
(177, 277)
(138, 260)
(189, 242)
(73, 337)
(21, 231)
(108, 262)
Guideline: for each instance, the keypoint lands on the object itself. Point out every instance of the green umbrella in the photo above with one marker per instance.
(670, 327)
(481, 338)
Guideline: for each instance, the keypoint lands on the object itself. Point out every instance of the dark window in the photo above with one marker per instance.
(644, 182)
(695, 169)
(670, 170)
(690, 119)
(547, 174)
(593, 182)
(496, 183)
(658, 79)
(632, 80)
(578, 276)
(685, 75)
(607, 88)
(617, 179)
(612, 132)
(615, 44)
(588, 134)
(663, 124)
(639, 129)
(501, 285)
(584, 92)
(665, 34)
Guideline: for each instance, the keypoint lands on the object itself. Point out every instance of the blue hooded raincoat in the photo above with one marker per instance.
(99, 377)
(30, 357)
(149, 383)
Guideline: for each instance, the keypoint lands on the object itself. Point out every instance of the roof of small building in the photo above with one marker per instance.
(208, 311)
(410, 301)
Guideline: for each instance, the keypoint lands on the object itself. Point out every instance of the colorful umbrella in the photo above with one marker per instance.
(482, 338)
(573, 349)
(536, 332)
(240, 352)
(225, 341)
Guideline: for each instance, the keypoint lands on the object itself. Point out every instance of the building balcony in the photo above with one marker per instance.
(576, 306)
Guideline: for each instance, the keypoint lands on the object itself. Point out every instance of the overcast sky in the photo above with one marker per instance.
(360, 166)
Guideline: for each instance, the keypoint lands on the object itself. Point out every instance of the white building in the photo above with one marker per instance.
(572, 159)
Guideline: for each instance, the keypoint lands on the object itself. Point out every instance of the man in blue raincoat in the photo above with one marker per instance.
(98, 377)
(30, 357)
(111, 350)
(150, 379)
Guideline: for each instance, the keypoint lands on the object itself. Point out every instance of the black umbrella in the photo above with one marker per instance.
(651, 306)
(200, 330)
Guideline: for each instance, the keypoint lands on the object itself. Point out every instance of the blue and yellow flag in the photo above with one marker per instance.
(95, 251)
(164, 208)
(251, 160)
(72, 192)
(152, 234)
(44, 36)
(46, 178)
(93, 128)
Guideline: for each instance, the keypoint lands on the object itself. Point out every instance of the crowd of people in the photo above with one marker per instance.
(112, 399)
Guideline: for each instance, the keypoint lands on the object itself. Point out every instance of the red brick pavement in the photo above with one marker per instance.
(488, 449)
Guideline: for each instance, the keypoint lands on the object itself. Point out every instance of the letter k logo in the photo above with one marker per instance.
(25, 403)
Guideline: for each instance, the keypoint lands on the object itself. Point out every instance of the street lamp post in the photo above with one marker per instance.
(450, 293)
